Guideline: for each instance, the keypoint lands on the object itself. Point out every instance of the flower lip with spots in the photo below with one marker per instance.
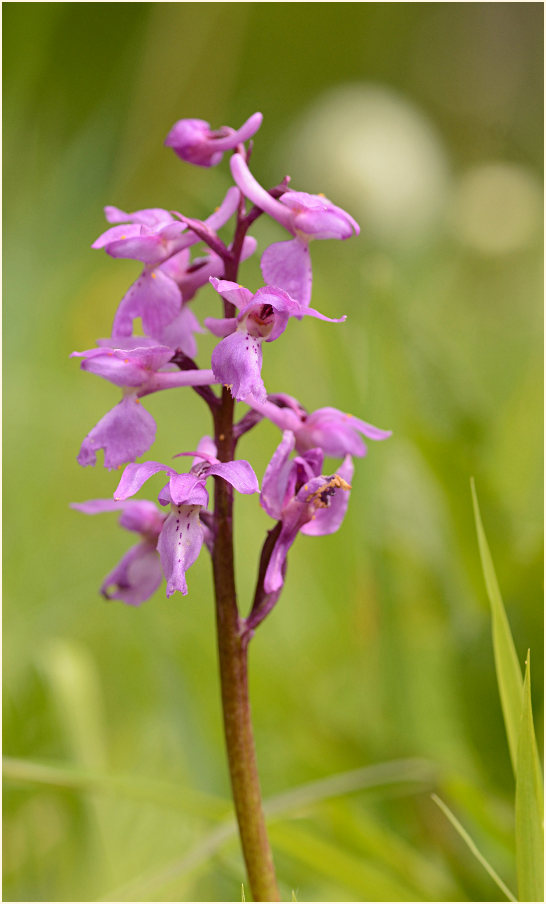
(237, 360)
(182, 534)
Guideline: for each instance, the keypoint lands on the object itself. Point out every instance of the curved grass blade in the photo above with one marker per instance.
(420, 772)
(473, 848)
(366, 880)
(416, 773)
(161, 794)
(529, 805)
(507, 664)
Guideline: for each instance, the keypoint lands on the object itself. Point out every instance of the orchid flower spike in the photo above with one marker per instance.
(182, 534)
(288, 264)
(138, 575)
(237, 360)
(194, 141)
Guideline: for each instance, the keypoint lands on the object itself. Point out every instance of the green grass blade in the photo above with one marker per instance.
(473, 848)
(414, 773)
(366, 880)
(529, 805)
(420, 773)
(507, 666)
(156, 793)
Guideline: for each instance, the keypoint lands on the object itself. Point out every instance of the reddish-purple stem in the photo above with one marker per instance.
(233, 644)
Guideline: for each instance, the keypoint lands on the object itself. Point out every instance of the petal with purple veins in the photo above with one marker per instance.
(179, 545)
(237, 362)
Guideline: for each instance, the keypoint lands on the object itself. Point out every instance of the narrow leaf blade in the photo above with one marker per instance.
(529, 805)
(473, 847)
(507, 664)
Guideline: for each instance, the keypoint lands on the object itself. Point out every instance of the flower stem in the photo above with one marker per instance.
(233, 660)
(233, 652)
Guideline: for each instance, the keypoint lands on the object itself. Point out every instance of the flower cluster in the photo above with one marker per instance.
(152, 347)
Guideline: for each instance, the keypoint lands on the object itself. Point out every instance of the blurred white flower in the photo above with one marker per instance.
(369, 148)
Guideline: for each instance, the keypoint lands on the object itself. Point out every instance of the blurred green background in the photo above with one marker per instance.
(425, 121)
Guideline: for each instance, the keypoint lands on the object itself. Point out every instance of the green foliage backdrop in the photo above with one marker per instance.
(424, 120)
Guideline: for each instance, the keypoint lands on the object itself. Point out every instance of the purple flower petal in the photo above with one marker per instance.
(336, 433)
(135, 475)
(148, 247)
(238, 473)
(237, 362)
(317, 217)
(295, 515)
(179, 545)
(179, 333)
(288, 265)
(206, 449)
(151, 216)
(138, 515)
(97, 506)
(231, 291)
(310, 464)
(125, 432)
(276, 476)
(285, 417)
(187, 489)
(143, 517)
(154, 297)
(125, 367)
(177, 265)
(221, 326)
(268, 312)
(117, 234)
(136, 577)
